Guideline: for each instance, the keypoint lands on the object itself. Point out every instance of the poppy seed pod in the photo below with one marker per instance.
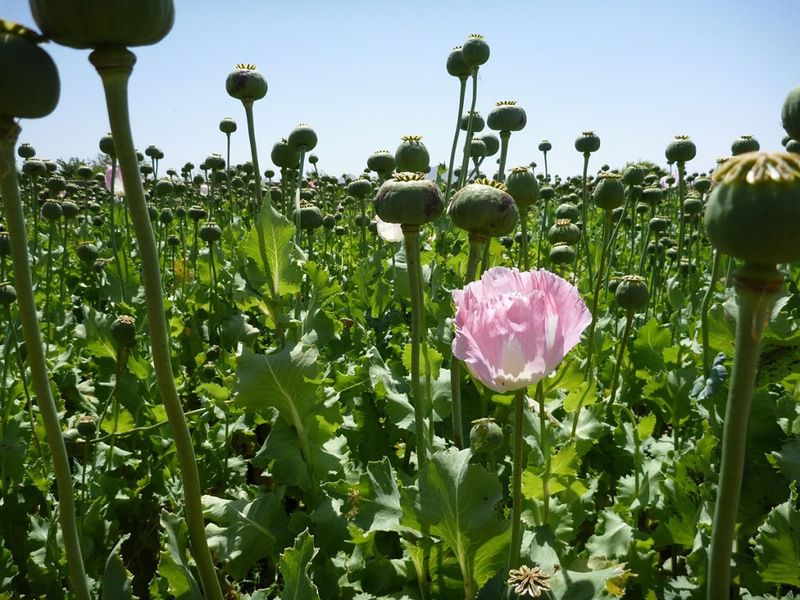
(744, 144)
(456, 65)
(790, 114)
(475, 51)
(702, 185)
(69, 209)
(609, 192)
(793, 146)
(754, 211)
(310, 217)
(382, 162)
(485, 208)
(492, 143)
(680, 150)
(8, 295)
(562, 254)
(545, 146)
(97, 23)
(652, 195)
(31, 86)
(210, 232)
(26, 151)
(123, 331)
(227, 126)
(633, 175)
(360, 188)
(87, 252)
(522, 186)
(477, 148)
(569, 211)
(478, 122)
(632, 293)
(284, 155)
(563, 230)
(587, 142)
(507, 116)
(408, 199)
(547, 193)
(245, 83)
(51, 210)
(486, 436)
(412, 156)
(302, 137)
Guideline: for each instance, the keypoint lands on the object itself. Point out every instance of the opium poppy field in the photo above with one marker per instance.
(445, 377)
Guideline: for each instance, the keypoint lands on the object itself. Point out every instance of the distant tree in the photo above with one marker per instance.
(68, 167)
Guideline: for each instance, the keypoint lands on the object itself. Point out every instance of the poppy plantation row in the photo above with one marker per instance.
(424, 382)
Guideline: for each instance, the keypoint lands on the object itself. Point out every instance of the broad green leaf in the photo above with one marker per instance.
(398, 407)
(174, 563)
(584, 394)
(271, 250)
(787, 459)
(294, 564)
(615, 539)
(457, 500)
(374, 502)
(117, 580)
(242, 533)
(777, 546)
(649, 344)
(646, 426)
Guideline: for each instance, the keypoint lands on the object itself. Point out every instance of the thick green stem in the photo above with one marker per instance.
(411, 239)
(704, 313)
(501, 172)
(757, 286)
(585, 214)
(620, 356)
(546, 176)
(523, 220)
(462, 92)
(15, 222)
(516, 482)
(476, 243)
(545, 454)
(462, 176)
(251, 132)
(115, 66)
(598, 285)
(682, 229)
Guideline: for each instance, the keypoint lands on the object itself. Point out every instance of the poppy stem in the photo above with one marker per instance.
(704, 313)
(462, 93)
(545, 453)
(757, 286)
(516, 482)
(15, 221)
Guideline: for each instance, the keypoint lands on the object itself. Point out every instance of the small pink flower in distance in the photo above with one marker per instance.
(119, 187)
(204, 189)
(513, 329)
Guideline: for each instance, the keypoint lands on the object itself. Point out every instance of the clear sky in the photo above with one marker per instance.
(364, 73)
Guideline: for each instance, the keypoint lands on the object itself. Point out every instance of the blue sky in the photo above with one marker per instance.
(363, 74)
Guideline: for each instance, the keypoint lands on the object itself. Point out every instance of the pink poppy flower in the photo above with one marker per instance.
(119, 186)
(389, 232)
(513, 329)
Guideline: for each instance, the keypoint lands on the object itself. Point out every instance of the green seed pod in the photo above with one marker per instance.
(507, 242)
(56, 185)
(632, 293)
(152, 211)
(744, 144)
(675, 293)
(475, 51)
(477, 122)
(69, 209)
(84, 172)
(642, 208)
(563, 230)
(545, 146)
(456, 65)
(693, 205)
(477, 149)
(562, 254)
(652, 196)
(310, 217)
(633, 175)
(486, 436)
(587, 142)
(97, 23)
(227, 126)
(568, 211)
(702, 185)
(485, 208)
(360, 188)
(680, 150)
(196, 213)
(8, 295)
(245, 83)
(790, 114)
(51, 210)
(164, 187)
(522, 186)
(361, 221)
(51, 166)
(329, 222)
(210, 232)
(173, 241)
(382, 162)
(754, 211)
(659, 224)
(412, 156)
(303, 137)
(507, 116)
(87, 252)
(123, 332)
(492, 143)
(87, 426)
(26, 151)
(547, 193)
(408, 199)
(793, 146)
(180, 212)
(609, 193)
(73, 442)
(284, 155)
(340, 230)
(31, 86)
(166, 216)
(34, 167)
